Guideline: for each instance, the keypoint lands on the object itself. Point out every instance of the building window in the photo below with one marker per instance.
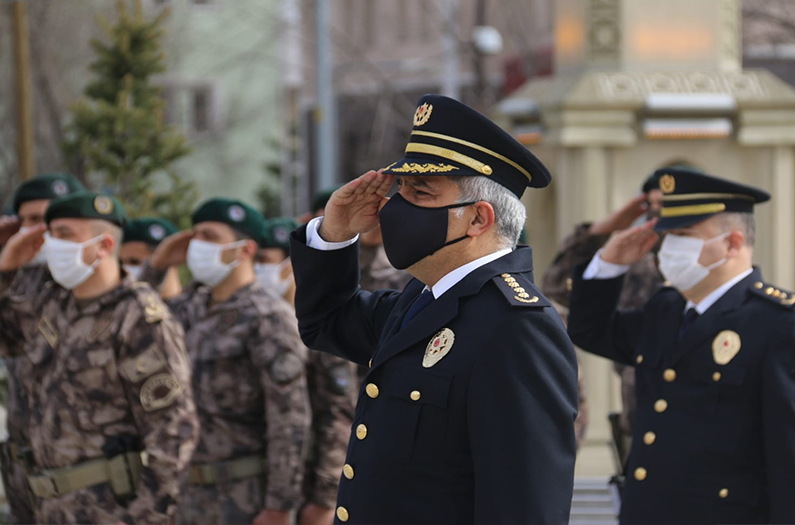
(202, 109)
(193, 107)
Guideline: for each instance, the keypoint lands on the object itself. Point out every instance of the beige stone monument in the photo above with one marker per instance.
(641, 84)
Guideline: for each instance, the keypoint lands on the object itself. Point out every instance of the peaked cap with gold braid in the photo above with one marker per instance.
(452, 139)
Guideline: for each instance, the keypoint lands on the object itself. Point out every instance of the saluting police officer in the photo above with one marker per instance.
(467, 413)
(140, 238)
(109, 379)
(248, 372)
(714, 354)
(29, 204)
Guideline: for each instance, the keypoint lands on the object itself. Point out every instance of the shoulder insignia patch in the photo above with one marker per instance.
(520, 291)
(154, 310)
(48, 331)
(160, 391)
(286, 368)
(773, 294)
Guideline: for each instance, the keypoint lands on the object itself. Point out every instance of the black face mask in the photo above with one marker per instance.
(412, 233)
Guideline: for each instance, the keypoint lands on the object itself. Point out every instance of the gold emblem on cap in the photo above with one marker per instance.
(103, 205)
(439, 347)
(667, 183)
(423, 114)
(725, 346)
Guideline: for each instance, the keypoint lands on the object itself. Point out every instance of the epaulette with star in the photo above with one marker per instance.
(519, 290)
(773, 294)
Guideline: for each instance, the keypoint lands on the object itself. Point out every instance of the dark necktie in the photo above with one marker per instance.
(425, 298)
(690, 316)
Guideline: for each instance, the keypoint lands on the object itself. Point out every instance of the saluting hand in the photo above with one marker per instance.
(629, 246)
(172, 251)
(622, 218)
(9, 225)
(353, 209)
(21, 248)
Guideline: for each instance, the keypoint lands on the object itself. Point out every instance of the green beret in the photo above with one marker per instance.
(236, 214)
(321, 198)
(86, 205)
(49, 186)
(276, 233)
(148, 230)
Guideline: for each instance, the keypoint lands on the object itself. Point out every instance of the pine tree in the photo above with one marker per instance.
(117, 132)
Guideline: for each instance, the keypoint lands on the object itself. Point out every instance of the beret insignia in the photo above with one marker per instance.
(423, 114)
(103, 205)
(286, 368)
(60, 188)
(667, 183)
(237, 213)
(281, 234)
(157, 232)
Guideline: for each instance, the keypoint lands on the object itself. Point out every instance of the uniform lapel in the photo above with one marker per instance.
(443, 310)
(708, 325)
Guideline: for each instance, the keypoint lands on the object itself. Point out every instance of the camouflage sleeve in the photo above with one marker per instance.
(331, 393)
(154, 370)
(18, 293)
(579, 247)
(277, 351)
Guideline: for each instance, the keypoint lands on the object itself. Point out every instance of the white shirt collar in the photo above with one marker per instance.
(719, 292)
(457, 275)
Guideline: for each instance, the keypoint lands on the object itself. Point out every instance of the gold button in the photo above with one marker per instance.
(415, 396)
(660, 406)
(361, 432)
(758, 285)
(347, 471)
(371, 390)
(724, 493)
(716, 376)
(770, 290)
(639, 359)
(569, 284)
(669, 375)
(777, 294)
(342, 514)
(649, 438)
(640, 473)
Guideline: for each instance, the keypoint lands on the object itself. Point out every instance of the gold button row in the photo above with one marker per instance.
(372, 390)
(649, 438)
(640, 473)
(669, 375)
(361, 432)
(342, 514)
(347, 471)
(660, 406)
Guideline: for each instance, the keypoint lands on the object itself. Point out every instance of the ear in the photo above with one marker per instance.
(483, 219)
(736, 242)
(106, 247)
(248, 250)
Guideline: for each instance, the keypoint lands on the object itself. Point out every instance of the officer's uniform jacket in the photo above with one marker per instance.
(483, 435)
(715, 427)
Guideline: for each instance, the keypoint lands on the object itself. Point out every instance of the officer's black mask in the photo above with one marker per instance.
(412, 233)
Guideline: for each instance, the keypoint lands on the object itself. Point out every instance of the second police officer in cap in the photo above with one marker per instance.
(141, 237)
(467, 413)
(714, 436)
(248, 372)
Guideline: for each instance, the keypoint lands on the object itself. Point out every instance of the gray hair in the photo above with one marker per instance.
(100, 227)
(737, 221)
(509, 212)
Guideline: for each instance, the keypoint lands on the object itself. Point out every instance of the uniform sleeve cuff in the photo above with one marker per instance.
(601, 269)
(313, 239)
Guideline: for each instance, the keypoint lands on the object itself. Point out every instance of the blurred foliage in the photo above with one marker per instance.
(117, 131)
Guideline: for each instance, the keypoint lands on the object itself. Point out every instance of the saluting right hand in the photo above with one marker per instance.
(21, 248)
(9, 225)
(629, 246)
(353, 209)
(172, 251)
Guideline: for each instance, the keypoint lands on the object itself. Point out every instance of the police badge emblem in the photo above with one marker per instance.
(60, 188)
(439, 347)
(725, 346)
(667, 183)
(103, 205)
(423, 114)
(157, 232)
(237, 213)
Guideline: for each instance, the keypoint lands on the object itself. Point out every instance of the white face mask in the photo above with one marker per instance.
(65, 260)
(204, 261)
(679, 260)
(135, 271)
(40, 257)
(269, 276)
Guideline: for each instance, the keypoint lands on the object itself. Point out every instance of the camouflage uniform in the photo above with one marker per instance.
(332, 392)
(640, 283)
(108, 376)
(249, 382)
(15, 455)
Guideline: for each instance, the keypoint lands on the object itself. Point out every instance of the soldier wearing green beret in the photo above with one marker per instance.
(27, 207)
(249, 374)
(140, 238)
(331, 381)
(111, 379)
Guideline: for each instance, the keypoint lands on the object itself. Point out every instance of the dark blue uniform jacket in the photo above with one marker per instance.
(713, 443)
(486, 435)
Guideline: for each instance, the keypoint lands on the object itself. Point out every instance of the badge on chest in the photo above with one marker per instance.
(725, 346)
(439, 347)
